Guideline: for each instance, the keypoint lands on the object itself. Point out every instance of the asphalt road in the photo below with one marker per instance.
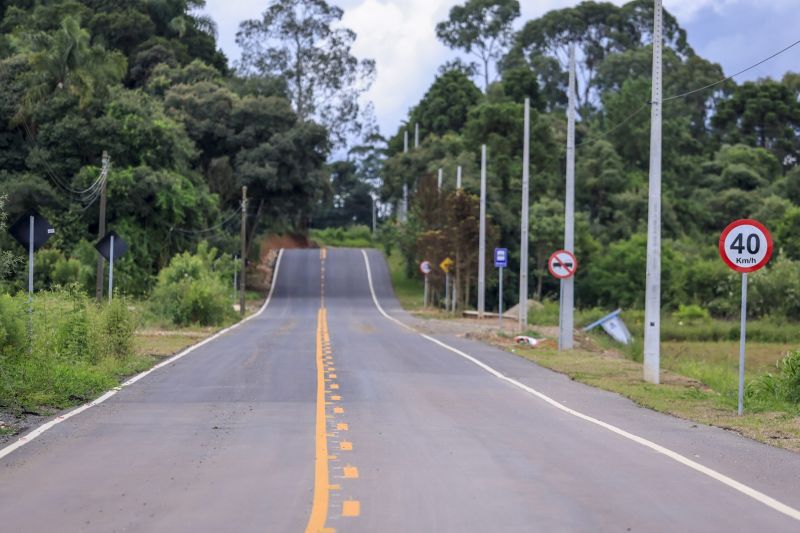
(322, 413)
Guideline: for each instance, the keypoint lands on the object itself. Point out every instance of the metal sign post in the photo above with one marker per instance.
(562, 266)
(32, 231)
(745, 246)
(501, 262)
(425, 268)
(111, 271)
(112, 247)
(446, 265)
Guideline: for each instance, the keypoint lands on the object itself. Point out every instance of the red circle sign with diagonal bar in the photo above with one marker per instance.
(746, 245)
(562, 264)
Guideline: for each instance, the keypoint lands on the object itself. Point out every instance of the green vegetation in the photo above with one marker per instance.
(193, 289)
(350, 237)
(729, 153)
(773, 422)
(79, 349)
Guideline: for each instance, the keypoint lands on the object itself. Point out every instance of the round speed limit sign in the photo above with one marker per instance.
(425, 267)
(745, 245)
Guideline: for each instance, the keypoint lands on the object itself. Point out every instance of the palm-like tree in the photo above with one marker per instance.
(66, 60)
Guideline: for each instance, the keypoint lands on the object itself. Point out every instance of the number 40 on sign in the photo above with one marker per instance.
(745, 246)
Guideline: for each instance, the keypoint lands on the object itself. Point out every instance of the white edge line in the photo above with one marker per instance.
(28, 437)
(722, 478)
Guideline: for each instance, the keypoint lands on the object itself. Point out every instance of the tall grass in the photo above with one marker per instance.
(78, 349)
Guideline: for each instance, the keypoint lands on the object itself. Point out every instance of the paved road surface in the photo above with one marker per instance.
(322, 413)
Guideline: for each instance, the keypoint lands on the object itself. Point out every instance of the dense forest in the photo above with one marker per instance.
(730, 151)
(185, 128)
(144, 82)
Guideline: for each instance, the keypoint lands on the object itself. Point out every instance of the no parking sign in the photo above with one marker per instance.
(562, 264)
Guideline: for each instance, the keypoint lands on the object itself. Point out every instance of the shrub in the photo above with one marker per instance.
(191, 291)
(118, 326)
(784, 385)
(691, 313)
(13, 337)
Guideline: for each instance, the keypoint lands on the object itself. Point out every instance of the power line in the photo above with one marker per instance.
(630, 117)
(211, 229)
(719, 82)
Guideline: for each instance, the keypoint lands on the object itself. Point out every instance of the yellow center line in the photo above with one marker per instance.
(319, 509)
(322, 485)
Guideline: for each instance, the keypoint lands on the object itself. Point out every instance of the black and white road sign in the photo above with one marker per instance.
(21, 230)
(104, 246)
(562, 264)
(745, 245)
(425, 267)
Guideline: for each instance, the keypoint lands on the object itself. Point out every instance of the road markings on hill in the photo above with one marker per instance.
(28, 437)
(328, 431)
(722, 478)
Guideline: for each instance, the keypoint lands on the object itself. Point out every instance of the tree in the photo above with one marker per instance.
(7, 258)
(482, 28)
(66, 60)
(446, 104)
(298, 40)
(764, 113)
(598, 30)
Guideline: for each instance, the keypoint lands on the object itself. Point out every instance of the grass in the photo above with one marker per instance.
(350, 237)
(678, 395)
(409, 291)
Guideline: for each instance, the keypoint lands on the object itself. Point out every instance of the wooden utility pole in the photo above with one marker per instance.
(102, 228)
(243, 274)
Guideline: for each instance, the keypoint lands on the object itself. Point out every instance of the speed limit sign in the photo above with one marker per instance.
(745, 245)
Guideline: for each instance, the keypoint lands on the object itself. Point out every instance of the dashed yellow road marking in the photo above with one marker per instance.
(351, 508)
(338, 410)
(342, 427)
(346, 446)
(350, 472)
(336, 398)
(334, 386)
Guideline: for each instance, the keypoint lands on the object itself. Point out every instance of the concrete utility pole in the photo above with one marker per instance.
(441, 178)
(416, 135)
(102, 227)
(652, 303)
(523, 248)
(458, 178)
(374, 216)
(566, 330)
(482, 240)
(243, 274)
(404, 210)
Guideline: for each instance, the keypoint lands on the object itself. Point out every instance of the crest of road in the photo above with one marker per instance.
(333, 410)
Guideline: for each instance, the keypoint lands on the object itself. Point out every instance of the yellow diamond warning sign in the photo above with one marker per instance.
(446, 265)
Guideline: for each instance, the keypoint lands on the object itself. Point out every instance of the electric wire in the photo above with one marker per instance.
(606, 133)
(210, 229)
(723, 80)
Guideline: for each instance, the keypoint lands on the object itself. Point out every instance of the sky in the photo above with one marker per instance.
(400, 36)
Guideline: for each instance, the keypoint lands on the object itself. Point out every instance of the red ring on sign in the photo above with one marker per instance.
(745, 222)
(571, 272)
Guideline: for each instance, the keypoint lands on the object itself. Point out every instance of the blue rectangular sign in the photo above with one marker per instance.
(501, 257)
